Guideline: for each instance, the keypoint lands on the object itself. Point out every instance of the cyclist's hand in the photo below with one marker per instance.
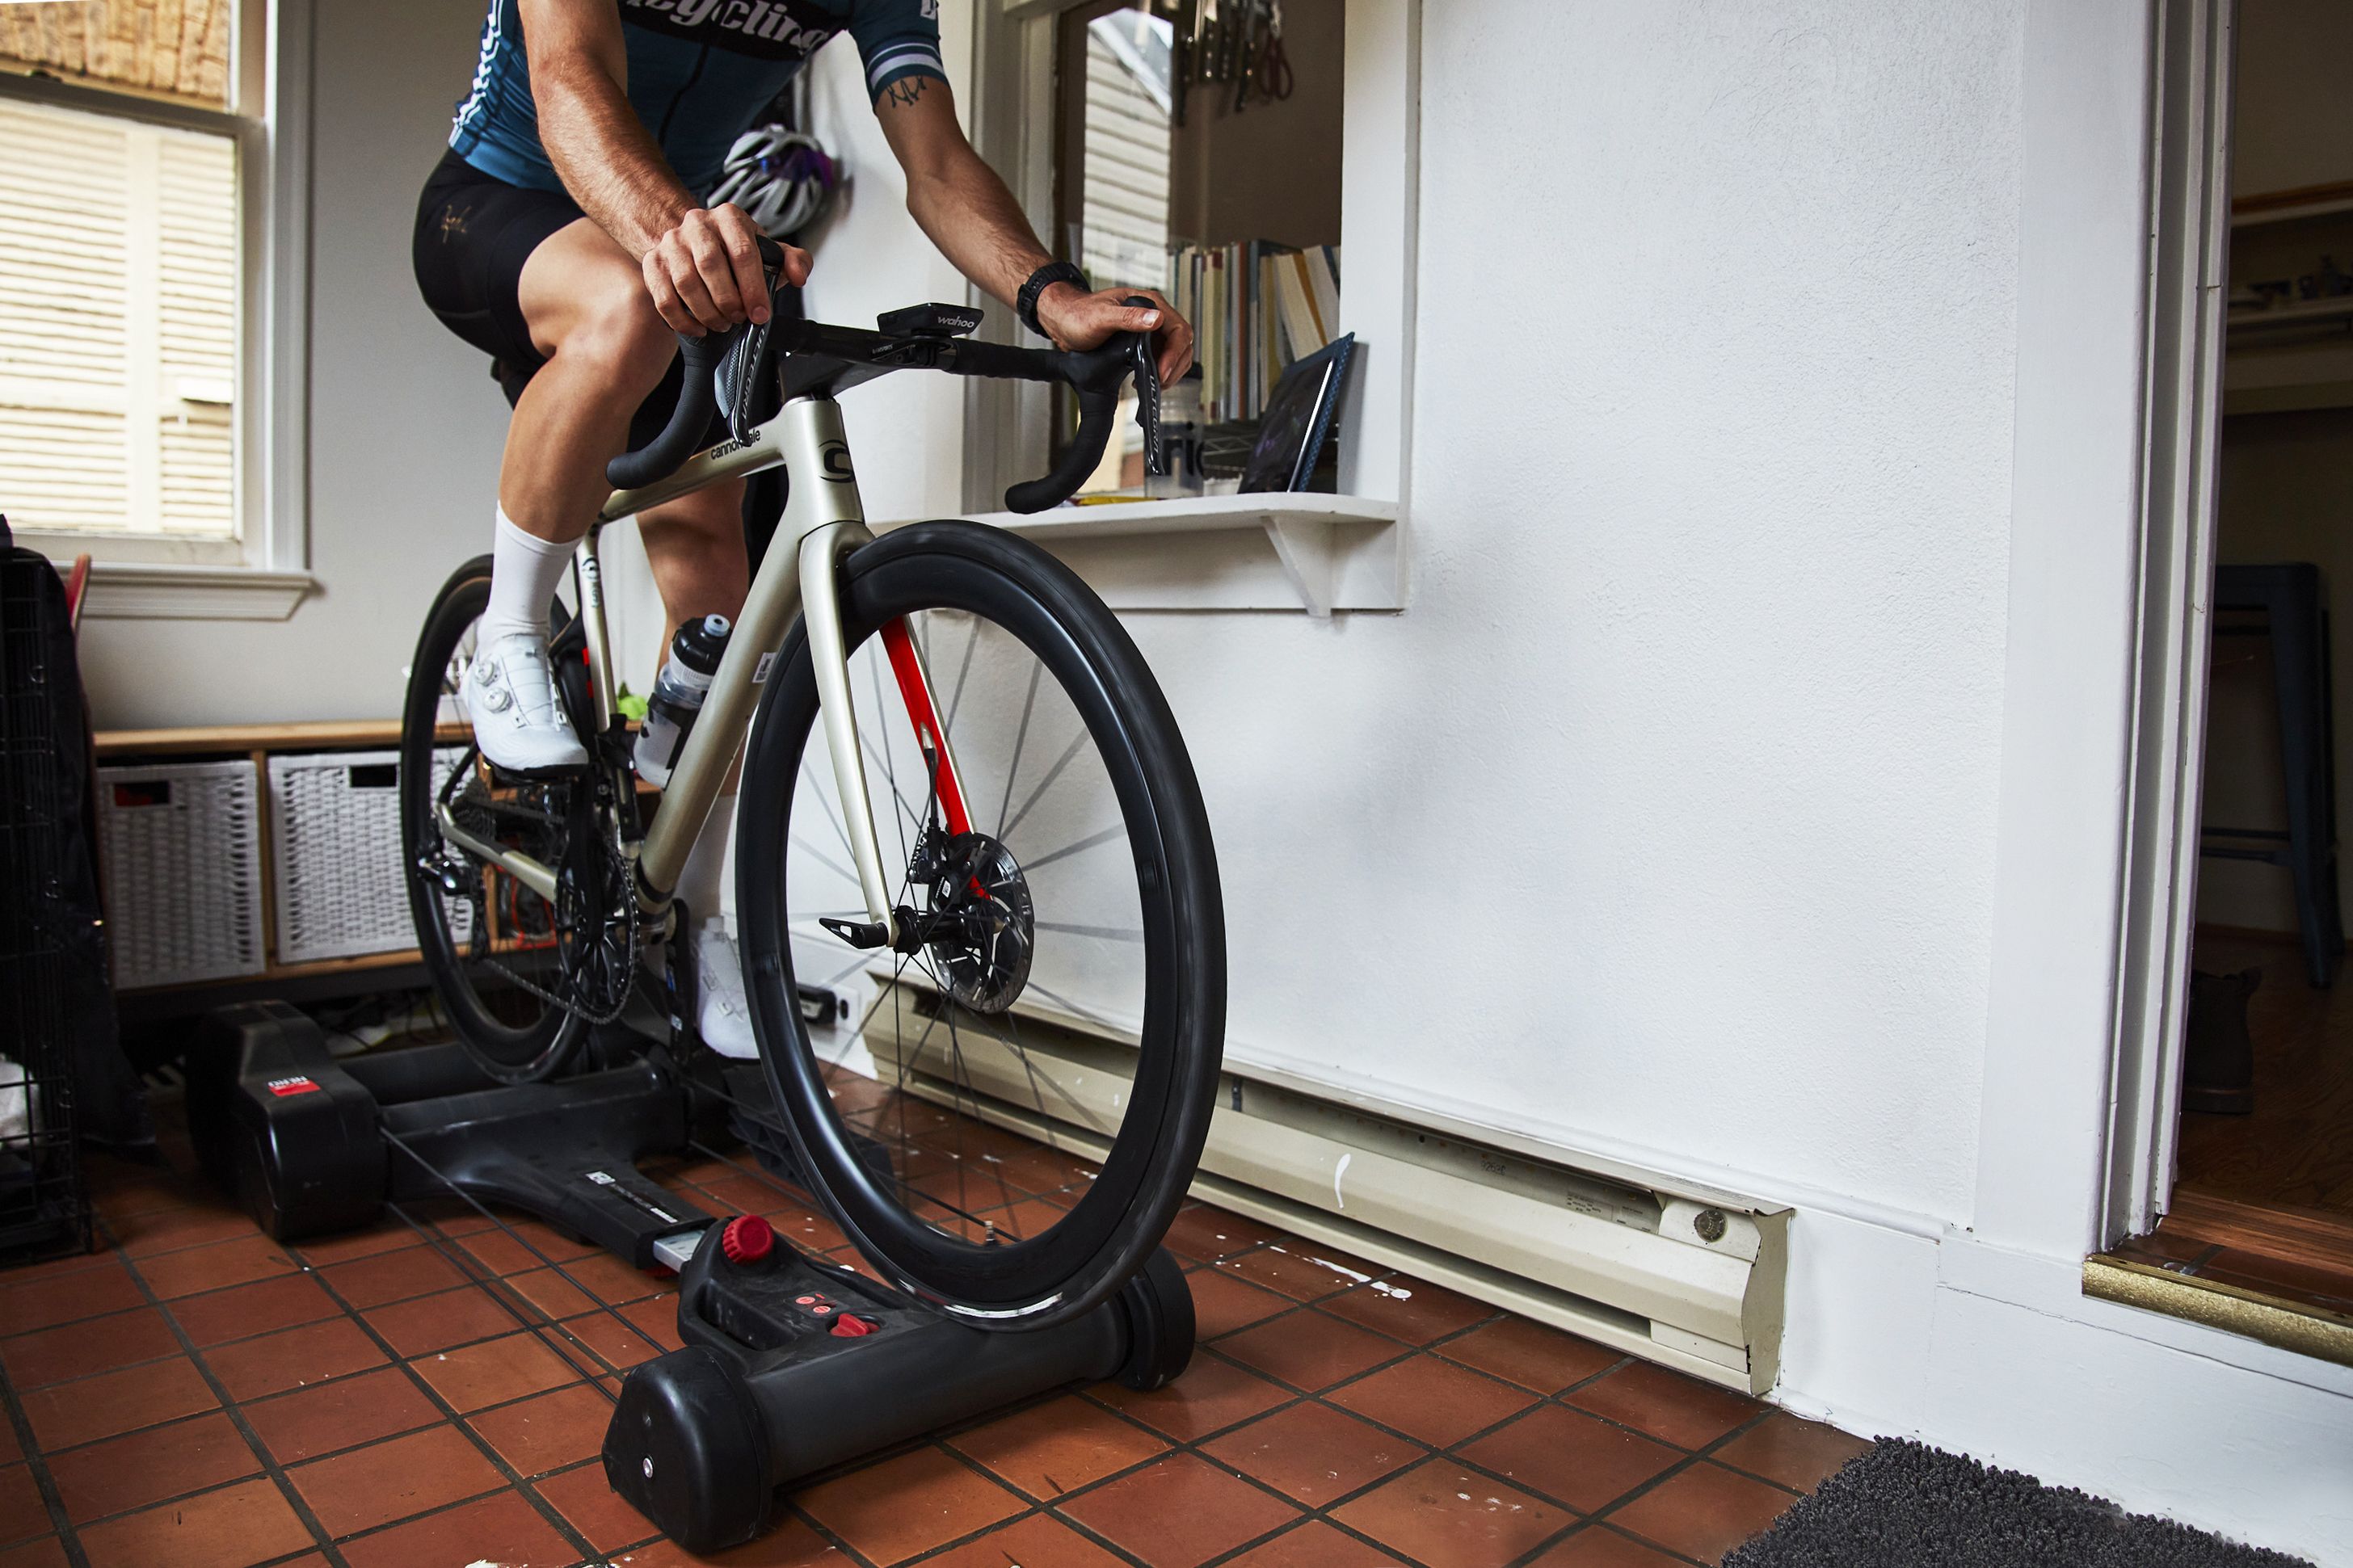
(704, 274)
(1077, 320)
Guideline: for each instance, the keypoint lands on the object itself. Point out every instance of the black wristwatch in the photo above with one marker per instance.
(1025, 304)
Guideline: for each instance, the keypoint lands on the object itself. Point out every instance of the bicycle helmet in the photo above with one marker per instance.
(782, 178)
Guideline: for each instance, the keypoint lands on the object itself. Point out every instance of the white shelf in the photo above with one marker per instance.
(2320, 201)
(1286, 550)
(2302, 312)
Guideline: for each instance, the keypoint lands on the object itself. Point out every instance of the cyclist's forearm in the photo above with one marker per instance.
(967, 212)
(604, 155)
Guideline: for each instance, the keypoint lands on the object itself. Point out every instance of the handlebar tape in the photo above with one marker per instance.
(697, 401)
(1096, 375)
(696, 404)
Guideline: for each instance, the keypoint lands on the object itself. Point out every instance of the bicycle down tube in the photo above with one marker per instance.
(823, 523)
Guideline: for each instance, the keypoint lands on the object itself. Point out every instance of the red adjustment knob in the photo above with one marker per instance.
(849, 1326)
(747, 1239)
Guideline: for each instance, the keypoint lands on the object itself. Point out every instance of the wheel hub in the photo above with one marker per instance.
(981, 926)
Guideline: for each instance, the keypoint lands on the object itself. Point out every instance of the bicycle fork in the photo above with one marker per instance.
(824, 521)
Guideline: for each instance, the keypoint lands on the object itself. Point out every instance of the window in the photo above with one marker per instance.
(1197, 158)
(1333, 164)
(118, 325)
(140, 297)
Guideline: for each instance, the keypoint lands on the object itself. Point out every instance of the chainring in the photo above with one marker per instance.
(595, 910)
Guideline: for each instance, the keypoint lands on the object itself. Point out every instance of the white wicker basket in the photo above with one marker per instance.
(334, 820)
(183, 849)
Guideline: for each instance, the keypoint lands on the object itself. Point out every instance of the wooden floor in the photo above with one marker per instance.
(2297, 1148)
(2264, 1201)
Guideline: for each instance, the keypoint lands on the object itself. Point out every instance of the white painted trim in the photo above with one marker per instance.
(1319, 552)
(140, 591)
(2189, 258)
(1380, 225)
(2075, 548)
(277, 374)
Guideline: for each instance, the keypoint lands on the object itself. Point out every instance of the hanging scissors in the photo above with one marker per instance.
(1272, 72)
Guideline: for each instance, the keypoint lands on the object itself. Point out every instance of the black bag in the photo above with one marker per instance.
(57, 997)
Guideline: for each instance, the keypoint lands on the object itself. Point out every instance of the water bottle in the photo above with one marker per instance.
(678, 695)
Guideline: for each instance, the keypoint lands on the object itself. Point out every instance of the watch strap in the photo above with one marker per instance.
(1025, 304)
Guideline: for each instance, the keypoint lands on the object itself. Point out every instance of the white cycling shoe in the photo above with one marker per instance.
(722, 1014)
(519, 720)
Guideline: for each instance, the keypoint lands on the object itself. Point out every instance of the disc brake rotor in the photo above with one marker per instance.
(985, 926)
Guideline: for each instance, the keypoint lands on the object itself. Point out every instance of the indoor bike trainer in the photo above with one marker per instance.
(791, 1365)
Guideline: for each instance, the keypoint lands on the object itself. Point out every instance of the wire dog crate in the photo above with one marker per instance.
(334, 820)
(44, 1205)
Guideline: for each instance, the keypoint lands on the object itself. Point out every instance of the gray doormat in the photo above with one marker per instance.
(1903, 1505)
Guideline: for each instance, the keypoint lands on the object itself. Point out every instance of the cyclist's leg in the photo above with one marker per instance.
(522, 275)
(695, 546)
(590, 319)
(578, 298)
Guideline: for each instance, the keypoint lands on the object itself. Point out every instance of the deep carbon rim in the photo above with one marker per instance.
(1022, 1276)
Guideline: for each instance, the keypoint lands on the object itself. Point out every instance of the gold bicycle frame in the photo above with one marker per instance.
(824, 521)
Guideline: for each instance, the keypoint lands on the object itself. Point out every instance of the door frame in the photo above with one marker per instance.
(2190, 200)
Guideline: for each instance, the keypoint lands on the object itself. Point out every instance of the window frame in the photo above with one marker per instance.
(1012, 123)
(263, 572)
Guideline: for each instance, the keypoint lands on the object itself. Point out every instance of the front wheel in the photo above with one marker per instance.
(1069, 986)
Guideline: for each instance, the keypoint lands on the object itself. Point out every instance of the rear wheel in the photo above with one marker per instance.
(490, 944)
(1066, 986)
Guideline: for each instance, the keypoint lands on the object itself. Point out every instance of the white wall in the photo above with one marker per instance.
(405, 422)
(1739, 793)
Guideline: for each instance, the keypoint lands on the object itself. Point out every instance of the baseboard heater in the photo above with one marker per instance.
(1676, 1272)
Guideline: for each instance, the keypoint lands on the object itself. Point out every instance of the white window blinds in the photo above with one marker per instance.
(118, 325)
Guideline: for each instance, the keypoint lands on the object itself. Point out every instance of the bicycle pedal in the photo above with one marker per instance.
(857, 934)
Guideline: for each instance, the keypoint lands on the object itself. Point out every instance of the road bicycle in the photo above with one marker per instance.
(1047, 875)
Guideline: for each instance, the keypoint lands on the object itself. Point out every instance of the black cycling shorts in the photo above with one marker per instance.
(474, 232)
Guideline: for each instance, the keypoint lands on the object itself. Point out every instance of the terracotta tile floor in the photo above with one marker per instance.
(197, 1397)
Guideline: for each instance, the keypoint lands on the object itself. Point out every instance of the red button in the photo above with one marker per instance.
(747, 1239)
(850, 1327)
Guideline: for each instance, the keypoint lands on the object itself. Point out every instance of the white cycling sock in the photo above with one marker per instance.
(701, 879)
(524, 571)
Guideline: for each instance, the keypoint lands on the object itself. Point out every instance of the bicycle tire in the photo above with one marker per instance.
(509, 1052)
(1095, 1246)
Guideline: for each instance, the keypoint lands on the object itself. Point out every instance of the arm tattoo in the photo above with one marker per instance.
(903, 92)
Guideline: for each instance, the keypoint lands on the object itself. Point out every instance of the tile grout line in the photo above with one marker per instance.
(295, 1502)
(37, 1467)
(450, 1416)
(1323, 1513)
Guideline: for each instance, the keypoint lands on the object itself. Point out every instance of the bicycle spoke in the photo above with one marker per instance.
(1091, 841)
(827, 861)
(1101, 933)
(832, 816)
(1005, 834)
(1020, 740)
(963, 671)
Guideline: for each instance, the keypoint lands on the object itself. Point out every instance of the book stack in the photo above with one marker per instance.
(1255, 307)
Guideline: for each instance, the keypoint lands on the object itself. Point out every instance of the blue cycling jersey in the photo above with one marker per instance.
(700, 70)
